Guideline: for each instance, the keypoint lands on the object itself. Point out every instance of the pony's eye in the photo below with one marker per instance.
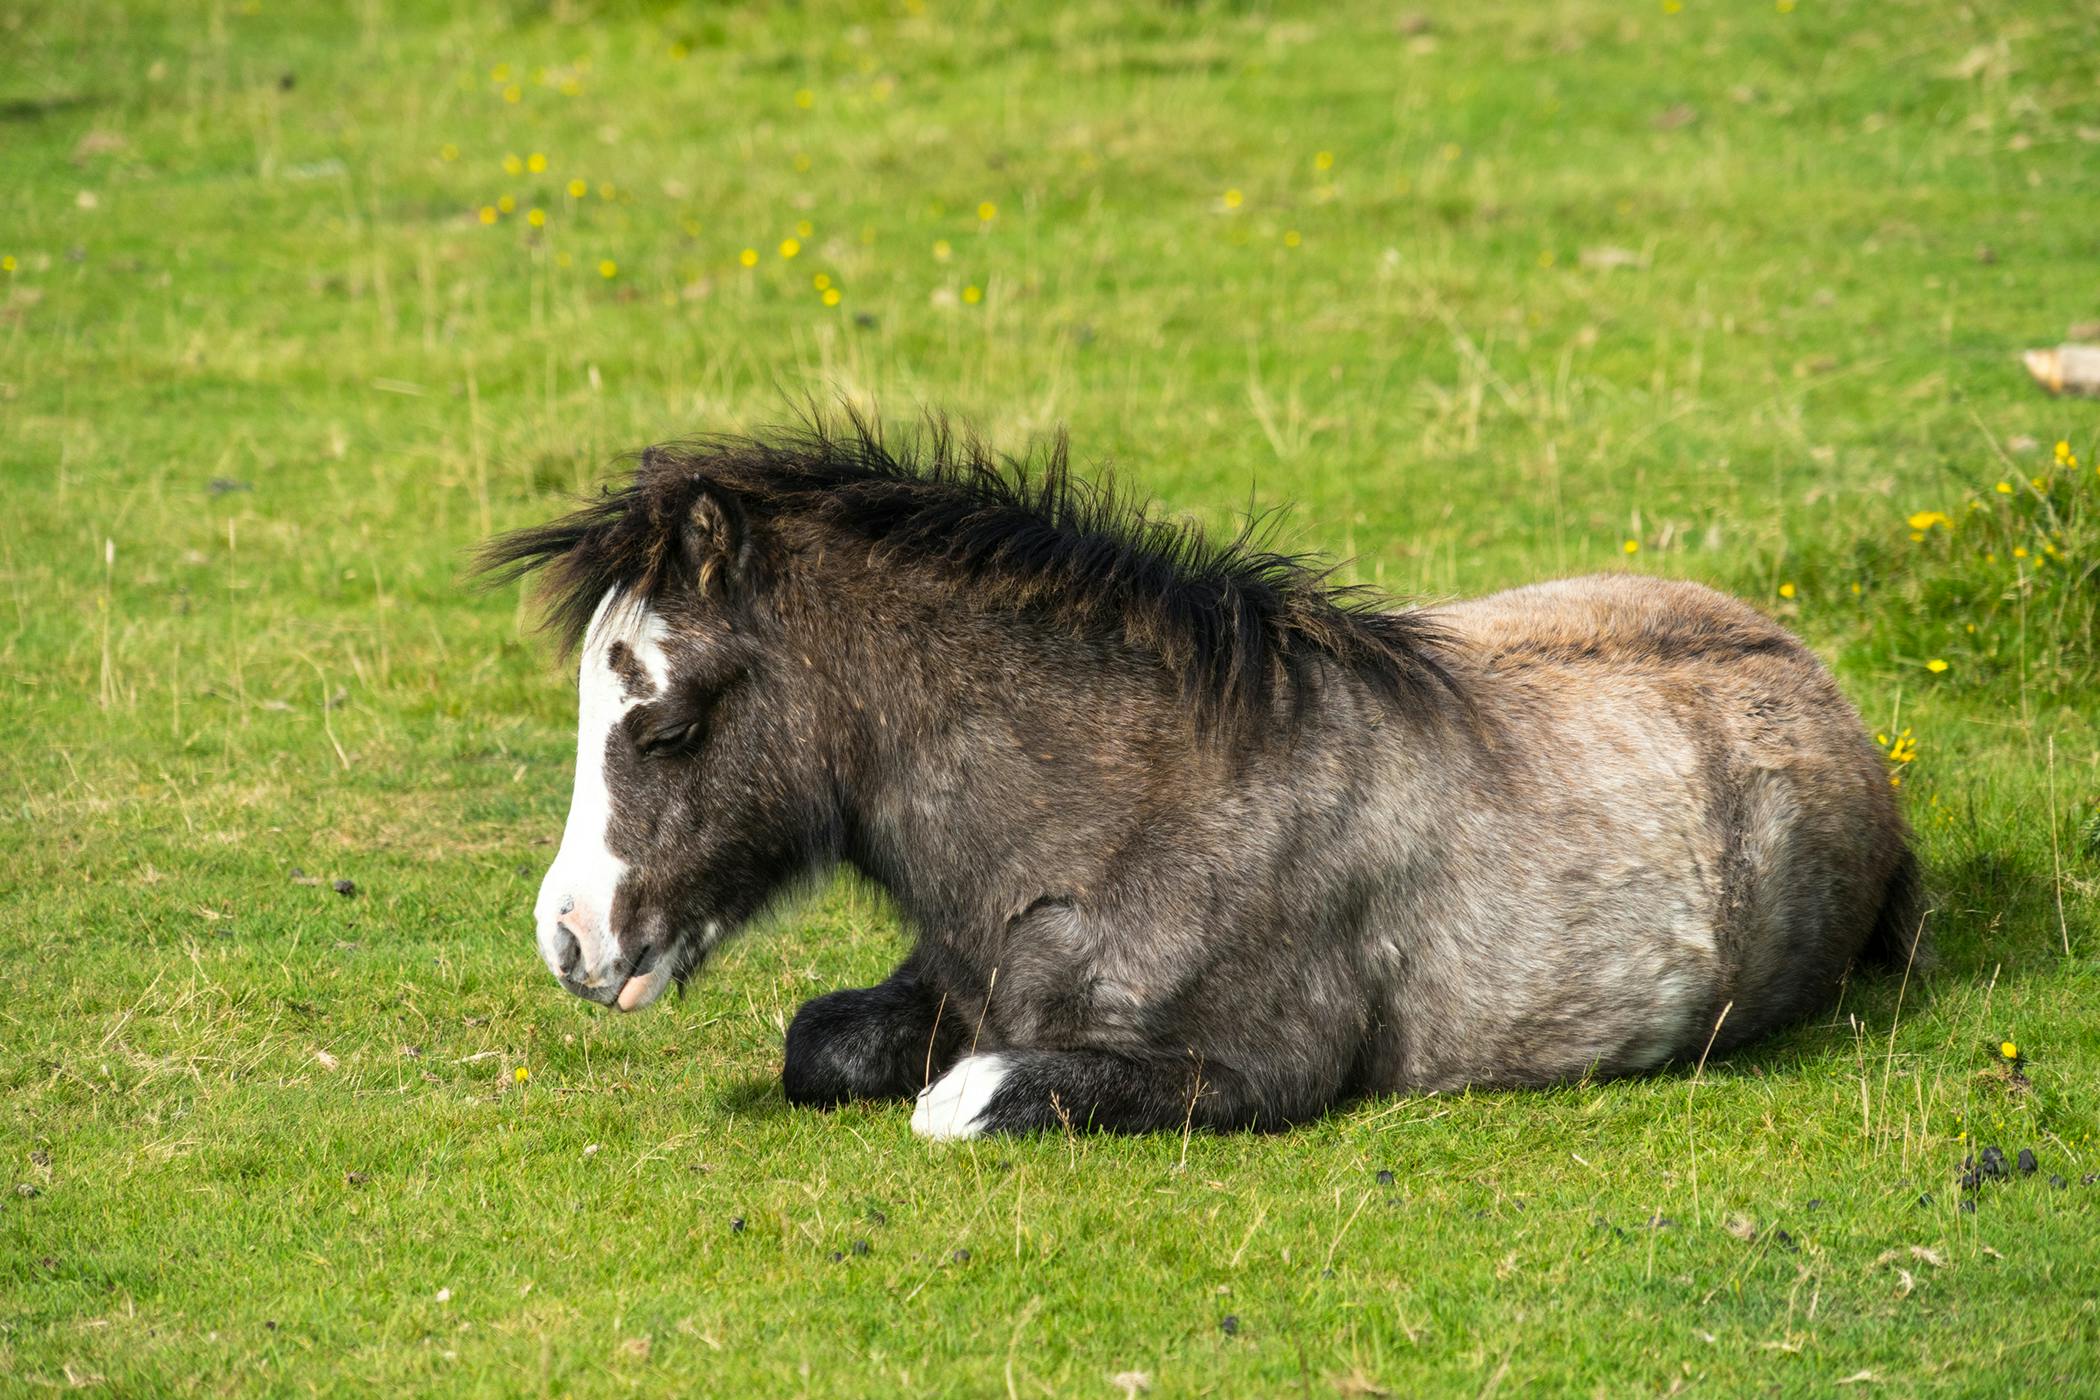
(668, 739)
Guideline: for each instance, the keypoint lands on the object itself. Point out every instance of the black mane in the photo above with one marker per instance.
(1232, 620)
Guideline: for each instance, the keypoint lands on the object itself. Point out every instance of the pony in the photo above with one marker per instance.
(1183, 834)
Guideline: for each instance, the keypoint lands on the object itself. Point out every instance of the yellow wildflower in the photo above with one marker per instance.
(821, 281)
(987, 211)
(488, 214)
(2005, 488)
(941, 250)
(579, 188)
(2009, 1050)
(508, 204)
(1233, 199)
(831, 296)
(1630, 547)
(513, 93)
(607, 268)
(805, 99)
(535, 162)
(521, 1074)
(749, 257)
(512, 165)
(448, 151)
(1935, 665)
(1323, 160)
(1926, 519)
(536, 217)
(1292, 238)
(804, 228)
(789, 247)
(973, 294)
(1786, 590)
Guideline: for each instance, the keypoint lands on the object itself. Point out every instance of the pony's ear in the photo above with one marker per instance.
(715, 539)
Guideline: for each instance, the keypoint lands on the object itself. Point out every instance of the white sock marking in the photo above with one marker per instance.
(952, 1107)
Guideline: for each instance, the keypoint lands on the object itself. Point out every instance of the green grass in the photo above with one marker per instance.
(260, 1136)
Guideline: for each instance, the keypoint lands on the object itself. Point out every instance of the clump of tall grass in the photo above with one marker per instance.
(1995, 588)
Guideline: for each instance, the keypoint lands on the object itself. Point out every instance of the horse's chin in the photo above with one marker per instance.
(641, 991)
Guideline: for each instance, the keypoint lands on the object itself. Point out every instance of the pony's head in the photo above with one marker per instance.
(694, 803)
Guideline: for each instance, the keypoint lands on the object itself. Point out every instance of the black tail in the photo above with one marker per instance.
(1897, 942)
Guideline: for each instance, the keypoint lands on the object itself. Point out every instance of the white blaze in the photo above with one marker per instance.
(580, 884)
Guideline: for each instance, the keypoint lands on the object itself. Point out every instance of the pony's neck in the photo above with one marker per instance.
(979, 755)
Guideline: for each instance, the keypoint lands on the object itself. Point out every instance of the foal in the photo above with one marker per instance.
(1180, 833)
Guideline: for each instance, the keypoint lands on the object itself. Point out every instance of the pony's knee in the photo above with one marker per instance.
(837, 1050)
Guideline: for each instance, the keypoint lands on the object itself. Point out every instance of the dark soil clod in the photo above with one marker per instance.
(1230, 1325)
(2056, 1181)
(1816, 1204)
(860, 1246)
(1385, 1178)
(961, 1256)
(345, 888)
(736, 1224)
(1993, 1164)
(1925, 1199)
(2025, 1161)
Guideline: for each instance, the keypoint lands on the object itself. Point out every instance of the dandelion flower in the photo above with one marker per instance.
(749, 257)
(513, 93)
(2063, 450)
(2009, 1050)
(448, 151)
(789, 247)
(579, 188)
(821, 281)
(508, 204)
(831, 296)
(608, 269)
(536, 217)
(941, 250)
(1233, 199)
(987, 211)
(7, 263)
(500, 73)
(2019, 551)
(571, 87)
(521, 1074)
(1786, 590)
(1785, 7)
(1630, 547)
(804, 228)
(1292, 238)
(512, 165)
(488, 216)
(1324, 160)
(973, 294)
(605, 189)
(1935, 665)
(536, 162)
(805, 99)
(801, 163)
(2005, 488)
(1926, 519)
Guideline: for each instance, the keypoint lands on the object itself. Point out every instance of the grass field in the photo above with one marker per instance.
(297, 302)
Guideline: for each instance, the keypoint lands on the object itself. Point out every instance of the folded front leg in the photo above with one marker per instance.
(878, 1042)
(1025, 1091)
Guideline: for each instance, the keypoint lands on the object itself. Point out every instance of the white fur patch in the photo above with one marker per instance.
(952, 1107)
(580, 885)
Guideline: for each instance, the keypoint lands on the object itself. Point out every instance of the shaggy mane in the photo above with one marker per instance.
(1232, 620)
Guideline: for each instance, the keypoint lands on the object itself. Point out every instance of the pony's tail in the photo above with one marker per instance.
(1897, 942)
